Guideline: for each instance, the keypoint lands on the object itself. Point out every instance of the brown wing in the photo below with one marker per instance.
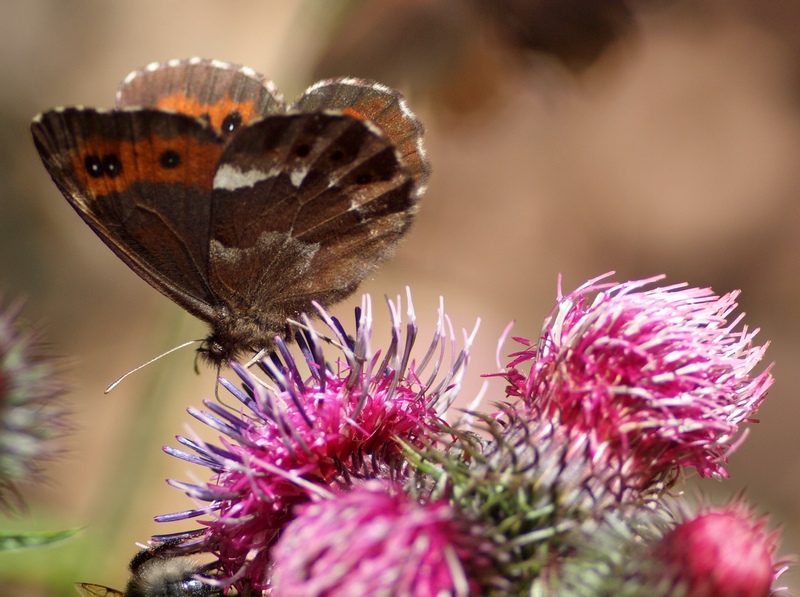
(225, 95)
(142, 181)
(91, 590)
(383, 105)
(304, 206)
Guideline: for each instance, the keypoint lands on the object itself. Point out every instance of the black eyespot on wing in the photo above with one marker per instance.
(231, 122)
(364, 178)
(337, 155)
(93, 165)
(111, 165)
(302, 150)
(169, 159)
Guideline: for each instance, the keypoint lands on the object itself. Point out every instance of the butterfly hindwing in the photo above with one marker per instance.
(142, 181)
(303, 207)
(384, 106)
(225, 95)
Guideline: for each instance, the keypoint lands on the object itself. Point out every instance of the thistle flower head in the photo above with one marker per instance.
(657, 379)
(633, 551)
(31, 417)
(721, 551)
(299, 435)
(374, 540)
(346, 480)
(526, 484)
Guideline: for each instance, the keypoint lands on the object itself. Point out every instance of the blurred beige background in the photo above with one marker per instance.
(670, 146)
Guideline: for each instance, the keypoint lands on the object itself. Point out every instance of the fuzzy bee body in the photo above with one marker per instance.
(155, 574)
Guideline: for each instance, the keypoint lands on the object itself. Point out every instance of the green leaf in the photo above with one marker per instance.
(10, 540)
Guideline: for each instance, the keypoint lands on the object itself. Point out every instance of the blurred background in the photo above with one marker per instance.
(566, 136)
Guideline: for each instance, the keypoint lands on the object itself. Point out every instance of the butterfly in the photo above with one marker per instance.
(240, 208)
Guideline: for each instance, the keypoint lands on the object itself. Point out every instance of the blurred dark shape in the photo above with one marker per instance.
(456, 52)
(397, 42)
(780, 17)
(576, 32)
(32, 414)
(426, 48)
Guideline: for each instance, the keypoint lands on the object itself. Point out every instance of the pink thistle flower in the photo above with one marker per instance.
(343, 422)
(721, 552)
(657, 379)
(374, 541)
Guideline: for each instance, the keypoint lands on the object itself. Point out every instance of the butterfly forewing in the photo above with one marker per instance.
(142, 180)
(225, 95)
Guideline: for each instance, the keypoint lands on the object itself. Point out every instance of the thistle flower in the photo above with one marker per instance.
(528, 488)
(656, 379)
(342, 423)
(721, 551)
(346, 480)
(621, 392)
(374, 540)
(31, 417)
(611, 555)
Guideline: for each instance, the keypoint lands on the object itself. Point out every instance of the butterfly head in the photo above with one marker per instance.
(217, 351)
(233, 337)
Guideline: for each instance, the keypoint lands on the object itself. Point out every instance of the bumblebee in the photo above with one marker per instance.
(155, 573)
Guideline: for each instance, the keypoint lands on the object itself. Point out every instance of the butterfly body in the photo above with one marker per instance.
(240, 209)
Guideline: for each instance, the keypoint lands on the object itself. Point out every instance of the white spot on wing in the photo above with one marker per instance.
(374, 128)
(220, 64)
(230, 177)
(298, 176)
(131, 77)
(355, 206)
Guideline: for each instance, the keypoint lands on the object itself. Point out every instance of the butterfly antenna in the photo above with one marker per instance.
(143, 365)
(216, 385)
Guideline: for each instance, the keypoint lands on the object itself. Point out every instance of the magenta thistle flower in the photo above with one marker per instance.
(31, 416)
(634, 551)
(721, 552)
(657, 379)
(341, 423)
(374, 541)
